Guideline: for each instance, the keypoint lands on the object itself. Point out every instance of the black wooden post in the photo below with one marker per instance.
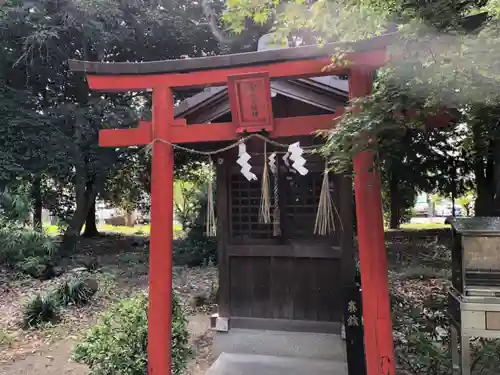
(351, 282)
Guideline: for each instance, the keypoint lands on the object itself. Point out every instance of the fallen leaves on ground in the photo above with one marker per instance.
(121, 271)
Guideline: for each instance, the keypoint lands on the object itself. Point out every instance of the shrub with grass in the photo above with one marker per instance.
(26, 250)
(195, 252)
(118, 344)
(41, 309)
(421, 337)
(75, 292)
(45, 309)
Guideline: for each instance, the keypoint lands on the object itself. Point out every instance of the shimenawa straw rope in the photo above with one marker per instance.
(211, 223)
(265, 198)
(265, 208)
(325, 219)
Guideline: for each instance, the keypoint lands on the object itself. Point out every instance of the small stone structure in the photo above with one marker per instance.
(474, 298)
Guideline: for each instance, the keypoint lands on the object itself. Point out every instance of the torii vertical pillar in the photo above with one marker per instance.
(160, 255)
(379, 348)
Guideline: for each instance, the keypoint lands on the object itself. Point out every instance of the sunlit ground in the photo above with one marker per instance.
(143, 230)
(422, 226)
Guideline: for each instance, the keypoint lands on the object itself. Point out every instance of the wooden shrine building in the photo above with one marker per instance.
(279, 280)
(275, 273)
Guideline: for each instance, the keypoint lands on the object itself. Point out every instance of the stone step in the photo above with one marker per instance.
(253, 364)
(321, 346)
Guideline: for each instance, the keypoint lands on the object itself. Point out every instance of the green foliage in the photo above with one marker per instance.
(423, 79)
(188, 199)
(22, 249)
(421, 333)
(50, 119)
(45, 309)
(190, 204)
(311, 21)
(190, 194)
(41, 309)
(320, 20)
(195, 250)
(15, 205)
(25, 250)
(118, 344)
(421, 337)
(467, 203)
(75, 292)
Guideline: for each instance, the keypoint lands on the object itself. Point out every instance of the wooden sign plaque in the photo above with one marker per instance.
(250, 100)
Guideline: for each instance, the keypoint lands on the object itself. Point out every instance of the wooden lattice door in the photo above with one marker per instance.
(288, 277)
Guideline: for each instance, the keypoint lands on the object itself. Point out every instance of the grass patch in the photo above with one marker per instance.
(41, 309)
(76, 292)
(52, 230)
(107, 228)
(119, 229)
(136, 230)
(424, 226)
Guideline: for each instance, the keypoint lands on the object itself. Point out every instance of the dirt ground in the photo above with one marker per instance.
(56, 358)
(122, 272)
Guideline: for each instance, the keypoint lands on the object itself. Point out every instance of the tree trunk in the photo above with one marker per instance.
(90, 222)
(453, 190)
(37, 202)
(483, 205)
(495, 173)
(395, 219)
(85, 195)
(484, 202)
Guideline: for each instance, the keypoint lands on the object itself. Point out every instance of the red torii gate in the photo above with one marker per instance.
(246, 73)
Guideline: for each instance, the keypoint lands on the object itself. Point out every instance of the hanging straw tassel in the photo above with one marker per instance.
(265, 198)
(276, 212)
(211, 224)
(325, 220)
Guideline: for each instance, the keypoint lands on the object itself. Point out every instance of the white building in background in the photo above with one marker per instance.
(422, 205)
(103, 211)
(427, 207)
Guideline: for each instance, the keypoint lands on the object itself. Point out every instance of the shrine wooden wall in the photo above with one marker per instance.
(294, 277)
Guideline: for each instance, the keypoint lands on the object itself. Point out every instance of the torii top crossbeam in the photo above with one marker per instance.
(214, 70)
(248, 78)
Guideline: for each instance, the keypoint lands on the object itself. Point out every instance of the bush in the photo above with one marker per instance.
(420, 332)
(40, 310)
(76, 292)
(196, 249)
(25, 250)
(421, 337)
(194, 252)
(118, 344)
